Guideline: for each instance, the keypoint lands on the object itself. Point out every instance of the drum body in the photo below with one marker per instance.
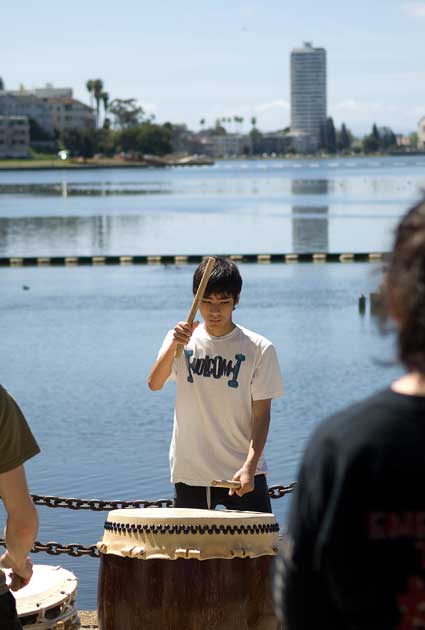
(173, 578)
(48, 602)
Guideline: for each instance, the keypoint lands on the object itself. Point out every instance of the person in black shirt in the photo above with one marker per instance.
(355, 551)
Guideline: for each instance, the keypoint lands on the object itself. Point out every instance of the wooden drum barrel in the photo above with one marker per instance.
(178, 569)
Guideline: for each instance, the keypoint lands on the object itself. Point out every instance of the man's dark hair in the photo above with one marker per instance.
(225, 278)
(405, 287)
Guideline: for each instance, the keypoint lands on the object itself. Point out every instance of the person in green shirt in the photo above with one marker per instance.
(17, 445)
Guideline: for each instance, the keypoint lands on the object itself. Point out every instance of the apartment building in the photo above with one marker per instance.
(308, 93)
(14, 137)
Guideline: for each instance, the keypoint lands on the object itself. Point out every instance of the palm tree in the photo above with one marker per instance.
(97, 92)
(253, 122)
(202, 123)
(89, 86)
(105, 100)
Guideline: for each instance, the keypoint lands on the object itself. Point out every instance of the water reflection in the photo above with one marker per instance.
(233, 208)
(310, 225)
(78, 189)
(310, 186)
(310, 229)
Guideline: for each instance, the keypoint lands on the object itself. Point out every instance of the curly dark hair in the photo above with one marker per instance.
(225, 278)
(405, 287)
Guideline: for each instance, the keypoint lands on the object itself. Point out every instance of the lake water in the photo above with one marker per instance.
(233, 207)
(78, 343)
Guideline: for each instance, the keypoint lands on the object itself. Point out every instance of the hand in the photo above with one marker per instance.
(246, 479)
(183, 332)
(21, 574)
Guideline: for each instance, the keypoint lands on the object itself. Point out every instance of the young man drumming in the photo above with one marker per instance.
(225, 382)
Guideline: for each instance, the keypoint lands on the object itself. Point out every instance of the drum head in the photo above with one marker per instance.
(173, 533)
(49, 587)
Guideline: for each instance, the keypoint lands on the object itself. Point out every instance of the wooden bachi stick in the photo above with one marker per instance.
(198, 297)
(224, 483)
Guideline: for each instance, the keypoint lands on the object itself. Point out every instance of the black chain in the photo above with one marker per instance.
(99, 505)
(276, 492)
(75, 549)
(55, 549)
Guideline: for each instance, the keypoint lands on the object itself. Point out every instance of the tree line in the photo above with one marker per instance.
(122, 125)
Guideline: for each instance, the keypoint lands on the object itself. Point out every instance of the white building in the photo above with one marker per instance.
(49, 91)
(421, 134)
(68, 113)
(308, 92)
(26, 104)
(226, 145)
(14, 137)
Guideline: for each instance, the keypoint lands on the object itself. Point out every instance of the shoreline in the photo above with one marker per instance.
(58, 165)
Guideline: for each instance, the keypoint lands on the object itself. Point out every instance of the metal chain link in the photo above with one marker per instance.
(99, 505)
(276, 492)
(75, 549)
(55, 549)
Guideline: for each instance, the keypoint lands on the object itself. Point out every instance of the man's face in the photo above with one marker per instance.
(216, 310)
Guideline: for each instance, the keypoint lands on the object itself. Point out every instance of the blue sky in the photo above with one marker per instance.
(189, 59)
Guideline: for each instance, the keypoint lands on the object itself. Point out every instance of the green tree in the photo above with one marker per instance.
(128, 139)
(330, 136)
(106, 141)
(323, 142)
(253, 122)
(154, 139)
(344, 141)
(388, 139)
(414, 140)
(370, 144)
(375, 133)
(127, 112)
(80, 142)
(2, 84)
(37, 132)
(105, 100)
(89, 86)
(202, 123)
(218, 129)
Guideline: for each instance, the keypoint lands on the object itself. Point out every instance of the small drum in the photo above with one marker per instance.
(49, 600)
(179, 569)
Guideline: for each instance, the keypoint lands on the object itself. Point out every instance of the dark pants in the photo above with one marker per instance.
(8, 617)
(197, 497)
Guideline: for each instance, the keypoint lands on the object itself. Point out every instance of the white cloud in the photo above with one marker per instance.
(414, 9)
(150, 108)
(272, 105)
(359, 115)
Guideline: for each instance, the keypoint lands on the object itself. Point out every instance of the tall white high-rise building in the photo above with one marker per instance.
(308, 95)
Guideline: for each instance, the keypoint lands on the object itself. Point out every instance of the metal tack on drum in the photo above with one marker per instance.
(49, 600)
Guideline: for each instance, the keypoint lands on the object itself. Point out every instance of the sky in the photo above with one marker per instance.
(191, 59)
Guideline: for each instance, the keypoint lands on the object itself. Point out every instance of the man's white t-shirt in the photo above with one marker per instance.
(217, 378)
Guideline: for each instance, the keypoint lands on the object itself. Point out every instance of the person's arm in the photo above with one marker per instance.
(161, 369)
(21, 527)
(260, 429)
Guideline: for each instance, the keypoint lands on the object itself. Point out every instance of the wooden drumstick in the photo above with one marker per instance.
(224, 483)
(198, 297)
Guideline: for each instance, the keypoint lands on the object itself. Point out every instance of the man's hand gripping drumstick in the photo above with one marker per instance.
(182, 333)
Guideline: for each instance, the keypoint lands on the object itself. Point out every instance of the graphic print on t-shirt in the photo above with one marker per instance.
(409, 526)
(217, 367)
